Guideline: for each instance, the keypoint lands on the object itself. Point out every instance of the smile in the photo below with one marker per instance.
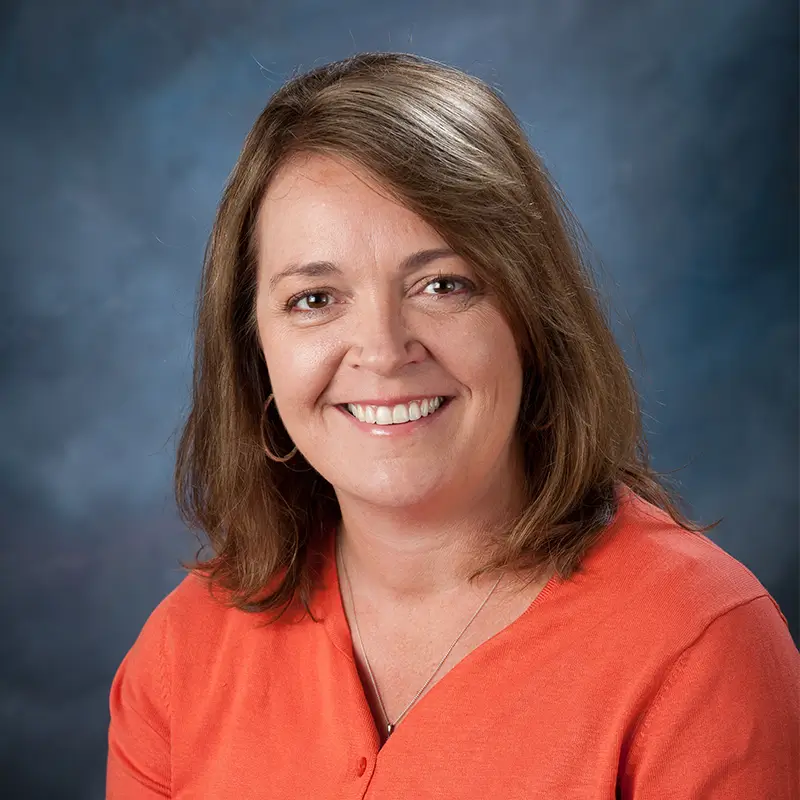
(397, 414)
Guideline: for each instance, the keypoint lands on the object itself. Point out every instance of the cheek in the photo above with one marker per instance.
(300, 367)
(484, 356)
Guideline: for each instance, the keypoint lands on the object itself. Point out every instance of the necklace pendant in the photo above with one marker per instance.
(389, 729)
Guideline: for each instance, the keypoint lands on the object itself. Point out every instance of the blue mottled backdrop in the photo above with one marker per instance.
(671, 125)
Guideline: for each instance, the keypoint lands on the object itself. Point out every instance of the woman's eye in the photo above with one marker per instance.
(313, 301)
(444, 286)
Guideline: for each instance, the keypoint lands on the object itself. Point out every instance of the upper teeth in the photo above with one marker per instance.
(394, 415)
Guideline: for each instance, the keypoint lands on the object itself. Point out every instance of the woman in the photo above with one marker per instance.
(442, 566)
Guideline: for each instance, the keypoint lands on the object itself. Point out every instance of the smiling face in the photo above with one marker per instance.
(395, 373)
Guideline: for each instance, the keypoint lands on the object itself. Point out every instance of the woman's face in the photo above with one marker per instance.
(395, 375)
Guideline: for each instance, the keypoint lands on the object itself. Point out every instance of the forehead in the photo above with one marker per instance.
(327, 207)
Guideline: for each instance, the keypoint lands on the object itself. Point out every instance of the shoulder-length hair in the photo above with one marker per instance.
(451, 150)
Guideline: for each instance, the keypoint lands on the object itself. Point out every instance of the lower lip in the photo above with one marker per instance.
(399, 429)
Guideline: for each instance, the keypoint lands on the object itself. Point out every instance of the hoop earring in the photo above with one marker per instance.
(270, 454)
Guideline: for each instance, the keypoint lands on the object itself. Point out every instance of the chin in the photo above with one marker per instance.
(394, 492)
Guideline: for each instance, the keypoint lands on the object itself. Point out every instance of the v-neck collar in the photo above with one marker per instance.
(328, 607)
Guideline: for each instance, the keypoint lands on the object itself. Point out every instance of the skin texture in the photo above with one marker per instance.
(371, 332)
(364, 328)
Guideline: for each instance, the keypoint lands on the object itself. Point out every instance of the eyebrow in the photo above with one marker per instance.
(321, 269)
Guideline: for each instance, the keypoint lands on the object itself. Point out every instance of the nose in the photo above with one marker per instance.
(381, 341)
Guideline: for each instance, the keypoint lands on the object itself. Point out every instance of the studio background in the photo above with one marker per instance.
(671, 126)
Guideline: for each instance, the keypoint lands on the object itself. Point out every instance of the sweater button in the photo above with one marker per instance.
(362, 766)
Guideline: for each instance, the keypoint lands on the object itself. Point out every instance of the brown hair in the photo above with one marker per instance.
(450, 149)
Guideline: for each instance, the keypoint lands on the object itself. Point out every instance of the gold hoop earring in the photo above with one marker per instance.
(270, 454)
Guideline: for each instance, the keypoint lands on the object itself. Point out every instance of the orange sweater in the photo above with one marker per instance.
(663, 670)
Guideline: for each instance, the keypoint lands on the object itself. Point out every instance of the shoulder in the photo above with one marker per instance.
(192, 633)
(188, 615)
(195, 602)
(705, 642)
(188, 626)
(665, 579)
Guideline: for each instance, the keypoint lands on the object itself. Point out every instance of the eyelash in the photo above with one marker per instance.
(295, 299)
(292, 302)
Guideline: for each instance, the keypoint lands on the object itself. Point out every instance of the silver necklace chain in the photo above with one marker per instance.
(390, 726)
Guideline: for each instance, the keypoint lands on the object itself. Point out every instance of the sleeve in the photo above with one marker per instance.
(725, 724)
(138, 766)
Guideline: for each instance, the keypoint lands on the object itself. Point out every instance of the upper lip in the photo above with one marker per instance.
(392, 401)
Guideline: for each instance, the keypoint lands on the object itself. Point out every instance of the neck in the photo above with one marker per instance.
(410, 556)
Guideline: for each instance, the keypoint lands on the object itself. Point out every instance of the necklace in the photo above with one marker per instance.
(390, 726)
